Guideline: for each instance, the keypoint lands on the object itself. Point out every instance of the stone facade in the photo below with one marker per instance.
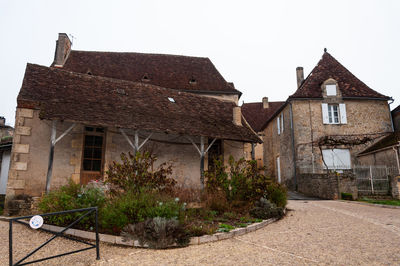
(327, 186)
(363, 117)
(29, 158)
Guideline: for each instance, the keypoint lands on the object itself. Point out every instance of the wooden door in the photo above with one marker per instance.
(93, 154)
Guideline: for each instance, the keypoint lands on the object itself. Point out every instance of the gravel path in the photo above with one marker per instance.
(314, 232)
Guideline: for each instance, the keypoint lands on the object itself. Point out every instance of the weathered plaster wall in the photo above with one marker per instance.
(385, 157)
(396, 121)
(279, 146)
(363, 117)
(30, 154)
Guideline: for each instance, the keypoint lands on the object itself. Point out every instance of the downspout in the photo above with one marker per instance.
(390, 114)
(293, 146)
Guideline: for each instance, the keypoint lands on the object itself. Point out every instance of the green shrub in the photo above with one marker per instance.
(131, 207)
(136, 173)
(346, 196)
(69, 197)
(241, 184)
(264, 209)
(157, 232)
(277, 194)
(225, 228)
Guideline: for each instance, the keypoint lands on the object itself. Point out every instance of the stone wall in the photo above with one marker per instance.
(30, 155)
(325, 186)
(279, 145)
(363, 117)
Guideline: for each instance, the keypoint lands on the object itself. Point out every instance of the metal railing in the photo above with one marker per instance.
(56, 234)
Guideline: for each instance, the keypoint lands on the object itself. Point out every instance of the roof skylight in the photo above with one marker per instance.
(172, 100)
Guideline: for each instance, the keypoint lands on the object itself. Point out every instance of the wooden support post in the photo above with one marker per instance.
(136, 141)
(202, 153)
(253, 152)
(51, 155)
(53, 141)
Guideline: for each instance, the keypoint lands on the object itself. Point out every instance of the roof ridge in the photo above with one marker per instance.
(122, 81)
(140, 53)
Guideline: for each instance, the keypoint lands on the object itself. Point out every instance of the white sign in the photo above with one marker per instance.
(36, 222)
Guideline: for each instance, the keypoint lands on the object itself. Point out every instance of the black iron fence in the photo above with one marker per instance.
(22, 220)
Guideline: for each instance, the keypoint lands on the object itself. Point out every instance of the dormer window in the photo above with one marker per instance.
(192, 81)
(331, 90)
(145, 78)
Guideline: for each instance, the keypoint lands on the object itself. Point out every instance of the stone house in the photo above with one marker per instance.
(330, 118)
(6, 133)
(386, 152)
(78, 115)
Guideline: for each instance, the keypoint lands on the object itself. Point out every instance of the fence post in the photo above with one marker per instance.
(370, 178)
(10, 244)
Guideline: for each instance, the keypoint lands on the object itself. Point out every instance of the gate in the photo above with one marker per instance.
(21, 220)
(373, 180)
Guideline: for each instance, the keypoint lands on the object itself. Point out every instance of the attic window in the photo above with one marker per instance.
(192, 81)
(145, 78)
(172, 100)
(121, 91)
(89, 73)
(331, 90)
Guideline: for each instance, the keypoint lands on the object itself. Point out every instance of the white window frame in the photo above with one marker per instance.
(278, 125)
(278, 169)
(332, 118)
(331, 89)
(328, 113)
(337, 158)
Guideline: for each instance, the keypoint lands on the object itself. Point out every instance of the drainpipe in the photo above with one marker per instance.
(293, 147)
(253, 153)
(390, 113)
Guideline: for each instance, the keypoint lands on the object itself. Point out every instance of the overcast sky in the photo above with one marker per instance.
(255, 44)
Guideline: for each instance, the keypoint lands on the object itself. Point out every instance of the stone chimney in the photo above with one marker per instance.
(63, 47)
(237, 116)
(300, 76)
(265, 102)
(2, 121)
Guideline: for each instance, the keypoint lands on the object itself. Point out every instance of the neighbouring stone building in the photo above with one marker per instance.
(77, 116)
(6, 133)
(330, 118)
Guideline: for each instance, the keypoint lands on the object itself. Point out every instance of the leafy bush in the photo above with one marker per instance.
(277, 194)
(242, 183)
(346, 196)
(136, 173)
(157, 232)
(264, 209)
(133, 207)
(225, 228)
(69, 197)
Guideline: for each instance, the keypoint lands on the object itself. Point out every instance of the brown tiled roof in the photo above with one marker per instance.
(95, 100)
(387, 141)
(396, 110)
(349, 85)
(257, 116)
(186, 73)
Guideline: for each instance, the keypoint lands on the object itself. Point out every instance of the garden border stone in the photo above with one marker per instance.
(196, 240)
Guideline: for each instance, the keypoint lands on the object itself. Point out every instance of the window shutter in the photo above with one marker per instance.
(325, 116)
(342, 110)
(278, 125)
(282, 122)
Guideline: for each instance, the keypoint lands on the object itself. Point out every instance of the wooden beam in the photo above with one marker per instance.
(65, 133)
(144, 142)
(253, 152)
(51, 155)
(202, 153)
(127, 139)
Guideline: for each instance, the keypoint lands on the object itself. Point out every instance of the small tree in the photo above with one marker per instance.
(136, 173)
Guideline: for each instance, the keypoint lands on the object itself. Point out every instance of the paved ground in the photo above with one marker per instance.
(313, 232)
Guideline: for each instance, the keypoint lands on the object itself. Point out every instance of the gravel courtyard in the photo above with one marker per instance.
(313, 232)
